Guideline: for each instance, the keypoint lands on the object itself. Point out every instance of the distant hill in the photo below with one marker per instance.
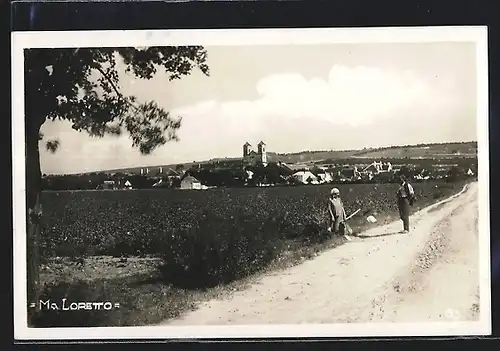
(422, 151)
(311, 156)
(444, 150)
(437, 150)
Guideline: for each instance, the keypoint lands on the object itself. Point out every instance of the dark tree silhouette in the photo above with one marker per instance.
(81, 85)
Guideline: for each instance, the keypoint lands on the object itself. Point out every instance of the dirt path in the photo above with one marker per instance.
(429, 275)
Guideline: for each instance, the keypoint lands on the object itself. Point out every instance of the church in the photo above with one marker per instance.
(255, 157)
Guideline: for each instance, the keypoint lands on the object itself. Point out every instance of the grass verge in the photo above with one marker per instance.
(144, 298)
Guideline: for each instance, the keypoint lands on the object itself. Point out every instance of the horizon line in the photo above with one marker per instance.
(269, 152)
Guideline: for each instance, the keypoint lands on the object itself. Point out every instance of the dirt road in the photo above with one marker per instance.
(430, 274)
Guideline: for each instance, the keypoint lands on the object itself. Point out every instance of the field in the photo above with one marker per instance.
(166, 246)
(424, 151)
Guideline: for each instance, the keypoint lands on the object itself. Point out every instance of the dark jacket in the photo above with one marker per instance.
(406, 197)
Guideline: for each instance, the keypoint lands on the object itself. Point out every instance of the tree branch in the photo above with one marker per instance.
(115, 88)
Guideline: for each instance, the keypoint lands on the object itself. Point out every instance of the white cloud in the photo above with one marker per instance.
(348, 96)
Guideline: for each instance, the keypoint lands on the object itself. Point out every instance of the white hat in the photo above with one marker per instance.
(335, 191)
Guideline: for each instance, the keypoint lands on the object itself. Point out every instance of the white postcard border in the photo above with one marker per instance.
(22, 40)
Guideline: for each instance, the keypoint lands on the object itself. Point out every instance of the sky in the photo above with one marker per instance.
(294, 98)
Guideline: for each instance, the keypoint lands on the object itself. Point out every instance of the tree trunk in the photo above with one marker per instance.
(34, 213)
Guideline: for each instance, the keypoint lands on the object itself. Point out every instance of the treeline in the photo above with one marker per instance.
(251, 176)
(446, 145)
(236, 177)
(93, 181)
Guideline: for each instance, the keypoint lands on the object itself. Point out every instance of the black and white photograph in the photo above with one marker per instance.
(251, 183)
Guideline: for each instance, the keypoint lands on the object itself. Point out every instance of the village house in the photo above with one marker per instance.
(172, 174)
(386, 167)
(396, 169)
(441, 173)
(374, 169)
(120, 182)
(108, 185)
(350, 174)
(377, 167)
(160, 183)
(322, 174)
(305, 177)
(165, 177)
(249, 174)
(421, 176)
(190, 182)
(325, 177)
(156, 172)
(295, 167)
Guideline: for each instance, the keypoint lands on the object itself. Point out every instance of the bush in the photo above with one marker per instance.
(206, 256)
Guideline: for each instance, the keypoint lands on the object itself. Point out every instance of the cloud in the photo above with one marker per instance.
(353, 96)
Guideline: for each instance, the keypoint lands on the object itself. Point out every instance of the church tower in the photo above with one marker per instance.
(246, 149)
(262, 152)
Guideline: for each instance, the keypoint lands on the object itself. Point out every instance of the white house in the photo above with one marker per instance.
(378, 167)
(249, 174)
(128, 185)
(325, 177)
(374, 167)
(306, 177)
(190, 182)
(387, 167)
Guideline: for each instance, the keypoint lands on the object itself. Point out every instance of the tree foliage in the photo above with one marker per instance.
(82, 85)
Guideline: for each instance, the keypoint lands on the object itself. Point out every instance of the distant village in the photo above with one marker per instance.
(255, 169)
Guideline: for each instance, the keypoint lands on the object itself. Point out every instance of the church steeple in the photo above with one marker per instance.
(262, 152)
(247, 148)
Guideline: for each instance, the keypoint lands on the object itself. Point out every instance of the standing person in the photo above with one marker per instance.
(406, 197)
(337, 214)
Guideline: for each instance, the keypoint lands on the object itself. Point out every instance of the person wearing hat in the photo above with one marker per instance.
(337, 213)
(406, 197)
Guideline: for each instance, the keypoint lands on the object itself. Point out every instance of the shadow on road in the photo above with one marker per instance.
(363, 236)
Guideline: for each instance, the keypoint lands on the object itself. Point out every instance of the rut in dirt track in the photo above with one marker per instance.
(382, 276)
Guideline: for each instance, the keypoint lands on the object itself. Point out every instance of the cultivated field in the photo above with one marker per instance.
(424, 151)
(156, 252)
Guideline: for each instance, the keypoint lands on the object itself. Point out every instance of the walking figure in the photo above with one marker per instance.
(337, 214)
(406, 198)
